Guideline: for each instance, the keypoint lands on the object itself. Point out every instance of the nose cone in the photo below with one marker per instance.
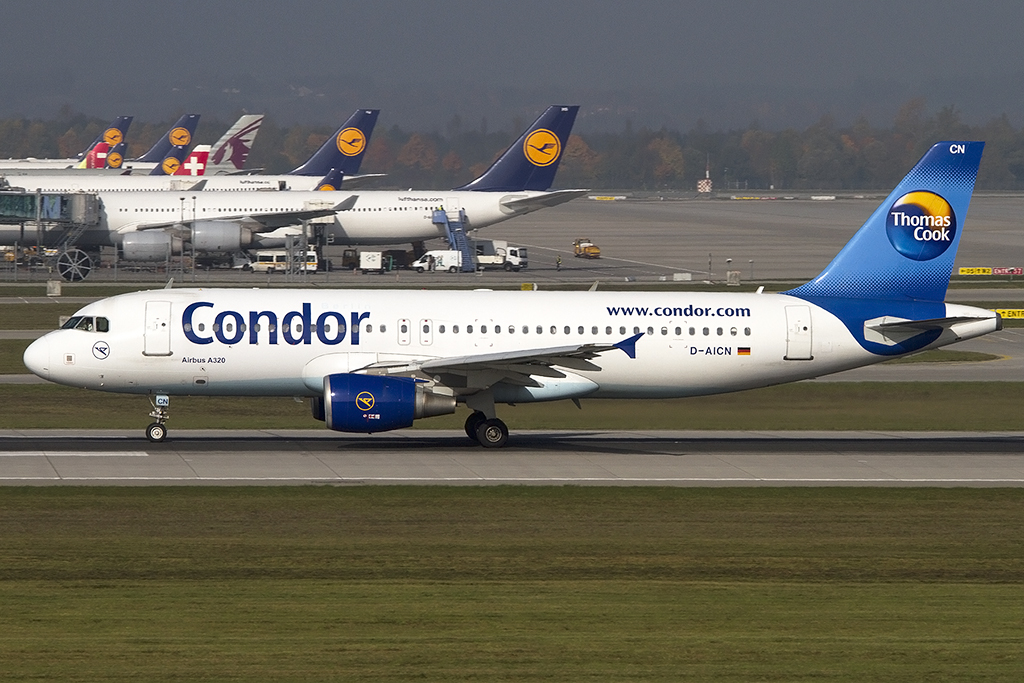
(37, 357)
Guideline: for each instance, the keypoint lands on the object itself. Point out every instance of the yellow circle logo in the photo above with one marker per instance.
(364, 401)
(542, 147)
(113, 136)
(327, 187)
(114, 160)
(170, 165)
(351, 142)
(180, 136)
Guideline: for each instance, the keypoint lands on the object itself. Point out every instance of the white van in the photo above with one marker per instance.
(276, 261)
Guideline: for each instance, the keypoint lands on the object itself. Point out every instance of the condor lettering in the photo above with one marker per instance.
(297, 327)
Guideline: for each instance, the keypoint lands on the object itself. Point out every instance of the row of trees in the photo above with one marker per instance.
(822, 156)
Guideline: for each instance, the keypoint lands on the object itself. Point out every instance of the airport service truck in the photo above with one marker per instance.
(439, 260)
(497, 254)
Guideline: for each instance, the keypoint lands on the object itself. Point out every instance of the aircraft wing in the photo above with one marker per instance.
(542, 201)
(512, 367)
(261, 222)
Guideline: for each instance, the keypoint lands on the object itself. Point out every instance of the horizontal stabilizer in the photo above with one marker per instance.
(526, 204)
(890, 330)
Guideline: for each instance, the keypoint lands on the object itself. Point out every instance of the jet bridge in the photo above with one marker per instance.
(53, 220)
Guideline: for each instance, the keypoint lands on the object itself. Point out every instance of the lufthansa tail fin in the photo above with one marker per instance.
(113, 134)
(905, 250)
(172, 162)
(180, 135)
(332, 181)
(229, 154)
(532, 160)
(345, 149)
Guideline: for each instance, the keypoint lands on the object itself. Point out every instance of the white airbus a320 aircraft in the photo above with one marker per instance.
(372, 361)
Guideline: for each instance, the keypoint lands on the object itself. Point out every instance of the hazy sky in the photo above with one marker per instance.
(652, 60)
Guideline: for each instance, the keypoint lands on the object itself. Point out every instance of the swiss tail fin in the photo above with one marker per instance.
(172, 162)
(180, 135)
(196, 161)
(332, 181)
(532, 160)
(906, 248)
(343, 151)
(113, 134)
(232, 150)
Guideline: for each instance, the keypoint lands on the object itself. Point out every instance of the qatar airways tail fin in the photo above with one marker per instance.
(229, 154)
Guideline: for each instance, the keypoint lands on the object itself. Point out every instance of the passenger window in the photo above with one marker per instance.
(650, 330)
(511, 329)
(455, 329)
(706, 331)
(679, 332)
(469, 329)
(567, 329)
(636, 330)
(746, 331)
(581, 329)
(733, 331)
(405, 328)
(664, 331)
(440, 329)
(383, 328)
(622, 330)
(593, 330)
(719, 331)
(554, 330)
(540, 330)
(426, 328)
(608, 330)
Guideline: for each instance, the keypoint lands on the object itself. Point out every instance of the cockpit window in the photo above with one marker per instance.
(87, 323)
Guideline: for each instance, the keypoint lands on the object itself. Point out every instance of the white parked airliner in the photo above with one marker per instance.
(376, 360)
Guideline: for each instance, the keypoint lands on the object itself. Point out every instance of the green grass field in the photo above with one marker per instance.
(967, 406)
(511, 584)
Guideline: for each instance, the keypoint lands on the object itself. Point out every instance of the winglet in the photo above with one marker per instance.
(629, 345)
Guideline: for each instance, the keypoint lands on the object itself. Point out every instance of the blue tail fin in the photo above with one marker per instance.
(532, 161)
(332, 181)
(345, 149)
(906, 248)
(113, 134)
(115, 156)
(180, 135)
(172, 162)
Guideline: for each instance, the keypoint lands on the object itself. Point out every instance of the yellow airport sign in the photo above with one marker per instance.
(975, 271)
(1008, 313)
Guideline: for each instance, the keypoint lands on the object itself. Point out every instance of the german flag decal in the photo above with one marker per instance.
(743, 351)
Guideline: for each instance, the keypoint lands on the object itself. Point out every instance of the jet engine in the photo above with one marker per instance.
(370, 403)
(152, 245)
(220, 236)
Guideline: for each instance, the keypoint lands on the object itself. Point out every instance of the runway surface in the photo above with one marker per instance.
(425, 457)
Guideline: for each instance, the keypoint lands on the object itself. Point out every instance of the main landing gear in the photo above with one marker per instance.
(489, 433)
(157, 431)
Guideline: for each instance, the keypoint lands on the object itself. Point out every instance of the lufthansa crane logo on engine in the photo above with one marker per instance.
(542, 147)
(113, 136)
(364, 400)
(351, 142)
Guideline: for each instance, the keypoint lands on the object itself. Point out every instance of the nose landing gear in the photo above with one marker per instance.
(157, 431)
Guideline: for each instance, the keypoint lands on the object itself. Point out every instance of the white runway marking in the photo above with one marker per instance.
(74, 454)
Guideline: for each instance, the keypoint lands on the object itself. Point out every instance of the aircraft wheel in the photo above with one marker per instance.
(492, 433)
(74, 265)
(156, 432)
(475, 419)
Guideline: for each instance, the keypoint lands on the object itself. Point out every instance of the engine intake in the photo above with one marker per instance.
(369, 403)
(153, 245)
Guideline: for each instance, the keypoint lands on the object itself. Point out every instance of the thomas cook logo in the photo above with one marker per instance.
(351, 142)
(180, 136)
(113, 136)
(364, 400)
(114, 160)
(921, 225)
(542, 147)
(170, 165)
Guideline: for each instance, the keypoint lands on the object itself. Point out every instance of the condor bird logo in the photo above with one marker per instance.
(180, 136)
(364, 400)
(921, 225)
(351, 142)
(542, 147)
(113, 136)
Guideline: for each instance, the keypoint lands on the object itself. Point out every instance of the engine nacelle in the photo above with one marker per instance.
(219, 236)
(151, 245)
(370, 403)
